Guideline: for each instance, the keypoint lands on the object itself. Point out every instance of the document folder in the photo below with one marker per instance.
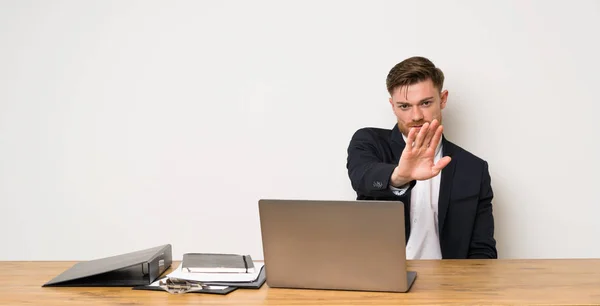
(213, 287)
(131, 269)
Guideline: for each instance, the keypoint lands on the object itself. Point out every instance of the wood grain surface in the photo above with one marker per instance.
(460, 282)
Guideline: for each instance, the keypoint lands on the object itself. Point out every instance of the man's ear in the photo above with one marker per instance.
(391, 103)
(443, 99)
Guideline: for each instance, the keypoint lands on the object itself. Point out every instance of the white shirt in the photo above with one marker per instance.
(424, 241)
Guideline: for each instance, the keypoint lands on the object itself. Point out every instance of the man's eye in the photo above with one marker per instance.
(426, 103)
(403, 106)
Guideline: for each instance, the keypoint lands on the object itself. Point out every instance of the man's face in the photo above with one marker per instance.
(416, 104)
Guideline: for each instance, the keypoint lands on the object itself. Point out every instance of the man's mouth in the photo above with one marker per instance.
(417, 126)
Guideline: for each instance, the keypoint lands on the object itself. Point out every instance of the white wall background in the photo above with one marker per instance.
(129, 124)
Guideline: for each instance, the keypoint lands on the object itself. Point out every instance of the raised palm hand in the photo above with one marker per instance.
(417, 160)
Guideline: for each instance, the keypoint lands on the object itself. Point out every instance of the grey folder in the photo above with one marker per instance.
(130, 269)
(231, 286)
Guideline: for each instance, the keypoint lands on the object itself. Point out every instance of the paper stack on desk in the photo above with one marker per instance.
(217, 263)
(182, 281)
(217, 277)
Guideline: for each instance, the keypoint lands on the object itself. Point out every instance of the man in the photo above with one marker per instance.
(446, 190)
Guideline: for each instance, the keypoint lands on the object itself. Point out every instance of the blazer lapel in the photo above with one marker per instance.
(397, 143)
(445, 184)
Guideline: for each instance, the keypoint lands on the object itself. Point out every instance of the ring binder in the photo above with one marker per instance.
(130, 269)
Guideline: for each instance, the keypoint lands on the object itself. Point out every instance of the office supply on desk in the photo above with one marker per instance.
(178, 286)
(344, 245)
(217, 263)
(180, 281)
(220, 278)
(130, 269)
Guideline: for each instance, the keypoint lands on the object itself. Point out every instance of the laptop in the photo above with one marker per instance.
(337, 245)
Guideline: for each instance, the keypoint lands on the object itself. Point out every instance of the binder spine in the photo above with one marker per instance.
(159, 264)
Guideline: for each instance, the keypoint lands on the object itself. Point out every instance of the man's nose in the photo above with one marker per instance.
(417, 114)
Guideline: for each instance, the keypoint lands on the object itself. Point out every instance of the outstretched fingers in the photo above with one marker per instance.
(410, 139)
(430, 133)
(437, 137)
(421, 135)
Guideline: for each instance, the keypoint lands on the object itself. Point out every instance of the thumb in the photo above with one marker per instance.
(442, 163)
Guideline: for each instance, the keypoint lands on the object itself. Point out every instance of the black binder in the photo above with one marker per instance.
(131, 269)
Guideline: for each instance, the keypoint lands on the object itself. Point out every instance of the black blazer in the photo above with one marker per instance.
(465, 216)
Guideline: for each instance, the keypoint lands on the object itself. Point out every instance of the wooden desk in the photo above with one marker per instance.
(571, 282)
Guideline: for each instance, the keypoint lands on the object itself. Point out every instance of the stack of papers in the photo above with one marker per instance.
(218, 283)
(217, 277)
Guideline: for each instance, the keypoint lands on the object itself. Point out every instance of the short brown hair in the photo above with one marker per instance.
(414, 70)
